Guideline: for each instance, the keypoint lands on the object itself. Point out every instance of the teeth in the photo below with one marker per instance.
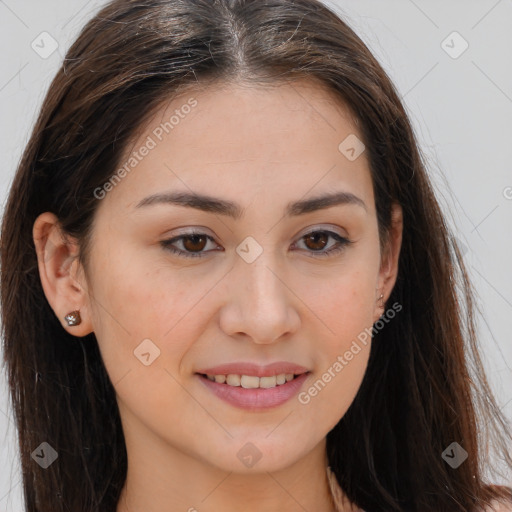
(268, 382)
(251, 381)
(233, 380)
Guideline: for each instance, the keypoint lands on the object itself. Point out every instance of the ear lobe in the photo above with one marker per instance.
(60, 273)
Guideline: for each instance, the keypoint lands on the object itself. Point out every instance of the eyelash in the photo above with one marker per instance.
(342, 244)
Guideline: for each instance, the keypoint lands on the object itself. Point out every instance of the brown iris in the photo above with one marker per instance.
(318, 237)
(191, 243)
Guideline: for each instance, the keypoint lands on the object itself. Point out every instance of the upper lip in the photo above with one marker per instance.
(246, 368)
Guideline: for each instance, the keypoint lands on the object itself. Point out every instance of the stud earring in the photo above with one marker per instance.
(73, 318)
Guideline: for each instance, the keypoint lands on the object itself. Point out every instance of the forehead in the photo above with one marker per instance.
(238, 140)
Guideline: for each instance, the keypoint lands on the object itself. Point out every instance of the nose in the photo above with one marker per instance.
(260, 304)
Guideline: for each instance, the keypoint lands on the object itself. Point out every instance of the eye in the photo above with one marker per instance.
(192, 243)
(317, 240)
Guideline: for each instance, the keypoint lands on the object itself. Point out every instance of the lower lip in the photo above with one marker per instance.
(255, 399)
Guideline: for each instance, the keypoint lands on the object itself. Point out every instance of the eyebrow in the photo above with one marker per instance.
(229, 208)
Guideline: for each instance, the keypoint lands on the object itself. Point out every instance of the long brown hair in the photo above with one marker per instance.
(424, 388)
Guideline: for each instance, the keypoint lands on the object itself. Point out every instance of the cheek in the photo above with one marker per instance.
(341, 354)
(341, 307)
(143, 318)
(343, 314)
(143, 336)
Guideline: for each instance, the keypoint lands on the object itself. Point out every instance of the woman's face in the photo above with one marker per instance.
(264, 282)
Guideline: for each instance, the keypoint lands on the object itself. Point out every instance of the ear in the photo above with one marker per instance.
(389, 261)
(62, 276)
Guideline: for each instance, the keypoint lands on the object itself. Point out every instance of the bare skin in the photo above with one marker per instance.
(260, 148)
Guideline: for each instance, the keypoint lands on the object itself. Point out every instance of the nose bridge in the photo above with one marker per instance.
(261, 287)
(261, 306)
(256, 259)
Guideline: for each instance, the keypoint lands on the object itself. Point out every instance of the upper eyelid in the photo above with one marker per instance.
(308, 230)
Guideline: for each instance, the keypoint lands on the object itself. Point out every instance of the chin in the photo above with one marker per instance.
(259, 454)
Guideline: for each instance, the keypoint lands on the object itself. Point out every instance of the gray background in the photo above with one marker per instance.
(461, 109)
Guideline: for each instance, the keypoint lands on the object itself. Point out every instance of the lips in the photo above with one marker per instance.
(254, 387)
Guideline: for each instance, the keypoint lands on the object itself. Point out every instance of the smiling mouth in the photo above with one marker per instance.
(252, 381)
